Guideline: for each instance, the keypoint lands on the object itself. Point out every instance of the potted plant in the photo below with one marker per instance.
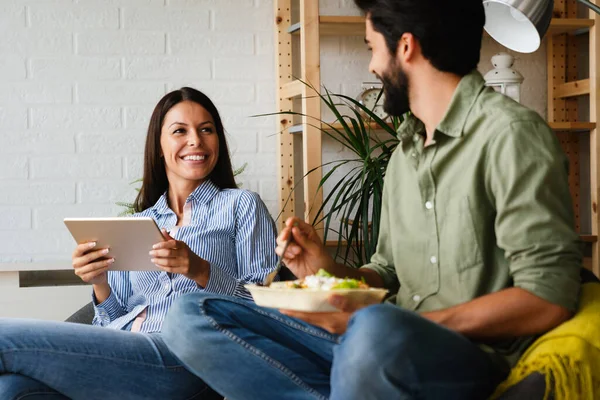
(354, 199)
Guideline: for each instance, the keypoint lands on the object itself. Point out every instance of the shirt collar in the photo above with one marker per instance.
(455, 119)
(202, 194)
(462, 102)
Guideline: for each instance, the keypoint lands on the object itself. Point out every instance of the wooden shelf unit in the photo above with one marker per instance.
(288, 88)
(564, 87)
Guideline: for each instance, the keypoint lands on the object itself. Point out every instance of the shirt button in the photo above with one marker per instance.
(433, 259)
(414, 154)
(416, 298)
(415, 137)
(429, 205)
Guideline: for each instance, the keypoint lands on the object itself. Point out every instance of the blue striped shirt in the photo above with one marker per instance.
(229, 228)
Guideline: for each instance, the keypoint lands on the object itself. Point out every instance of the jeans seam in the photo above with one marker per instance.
(36, 393)
(287, 321)
(94, 356)
(256, 352)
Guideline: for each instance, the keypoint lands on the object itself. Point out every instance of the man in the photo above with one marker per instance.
(476, 238)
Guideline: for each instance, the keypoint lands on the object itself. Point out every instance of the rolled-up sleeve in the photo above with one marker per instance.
(115, 305)
(527, 177)
(255, 235)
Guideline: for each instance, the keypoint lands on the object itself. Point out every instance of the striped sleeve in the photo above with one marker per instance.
(255, 235)
(115, 305)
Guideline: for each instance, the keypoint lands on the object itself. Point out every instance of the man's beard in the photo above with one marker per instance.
(395, 86)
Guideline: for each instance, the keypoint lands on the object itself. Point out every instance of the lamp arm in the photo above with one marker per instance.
(590, 5)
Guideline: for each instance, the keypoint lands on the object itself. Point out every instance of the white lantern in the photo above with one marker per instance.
(503, 78)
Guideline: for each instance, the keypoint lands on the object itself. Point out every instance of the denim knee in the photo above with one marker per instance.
(380, 334)
(188, 325)
(184, 322)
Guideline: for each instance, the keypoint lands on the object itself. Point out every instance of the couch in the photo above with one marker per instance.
(532, 387)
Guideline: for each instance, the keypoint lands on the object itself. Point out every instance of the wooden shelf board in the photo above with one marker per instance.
(572, 89)
(343, 26)
(557, 126)
(588, 238)
(572, 126)
(569, 25)
(295, 129)
(292, 89)
(355, 26)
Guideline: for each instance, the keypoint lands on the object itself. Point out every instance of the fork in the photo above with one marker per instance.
(269, 278)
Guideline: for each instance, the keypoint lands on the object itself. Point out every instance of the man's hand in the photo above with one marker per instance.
(333, 322)
(176, 257)
(306, 254)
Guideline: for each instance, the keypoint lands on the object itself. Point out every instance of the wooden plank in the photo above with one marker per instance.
(336, 126)
(292, 89)
(558, 108)
(588, 238)
(355, 26)
(342, 25)
(311, 106)
(572, 89)
(285, 145)
(556, 76)
(572, 126)
(560, 26)
(594, 53)
(572, 114)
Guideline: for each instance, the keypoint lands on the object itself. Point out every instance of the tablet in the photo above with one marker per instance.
(130, 239)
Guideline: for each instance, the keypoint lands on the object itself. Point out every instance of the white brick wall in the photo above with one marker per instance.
(79, 79)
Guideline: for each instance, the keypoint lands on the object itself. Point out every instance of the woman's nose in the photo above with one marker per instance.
(193, 139)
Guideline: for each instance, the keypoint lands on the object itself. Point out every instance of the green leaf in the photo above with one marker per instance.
(357, 195)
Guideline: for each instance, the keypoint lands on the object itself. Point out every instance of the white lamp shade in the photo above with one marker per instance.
(518, 24)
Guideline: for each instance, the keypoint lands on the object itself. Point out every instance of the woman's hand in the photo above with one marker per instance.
(306, 254)
(176, 257)
(91, 266)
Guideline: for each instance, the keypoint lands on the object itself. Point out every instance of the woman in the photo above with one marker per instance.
(217, 238)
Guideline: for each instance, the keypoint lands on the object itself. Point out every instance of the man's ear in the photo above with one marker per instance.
(407, 47)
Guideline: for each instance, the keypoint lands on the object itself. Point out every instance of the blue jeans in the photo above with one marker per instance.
(57, 361)
(386, 353)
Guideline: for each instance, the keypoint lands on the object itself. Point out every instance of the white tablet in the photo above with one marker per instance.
(129, 239)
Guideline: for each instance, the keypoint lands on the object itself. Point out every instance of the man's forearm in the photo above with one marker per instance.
(508, 313)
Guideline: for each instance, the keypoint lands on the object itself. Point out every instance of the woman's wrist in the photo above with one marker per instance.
(101, 291)
(204, 273)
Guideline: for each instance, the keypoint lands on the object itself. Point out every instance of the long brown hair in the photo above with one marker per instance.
(155, 182)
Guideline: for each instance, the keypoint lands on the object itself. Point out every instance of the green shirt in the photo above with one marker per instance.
(483, 208)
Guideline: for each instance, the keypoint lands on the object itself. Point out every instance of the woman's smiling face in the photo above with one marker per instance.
(189, 143)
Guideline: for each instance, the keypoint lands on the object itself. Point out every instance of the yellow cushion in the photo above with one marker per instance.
(568, 356)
